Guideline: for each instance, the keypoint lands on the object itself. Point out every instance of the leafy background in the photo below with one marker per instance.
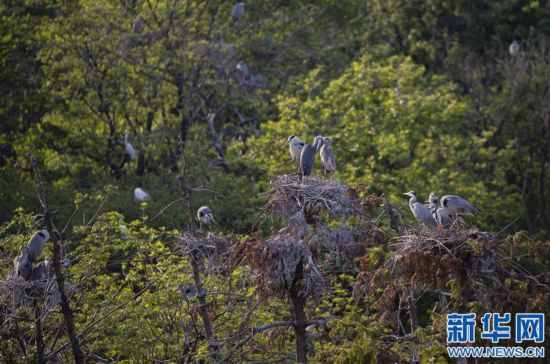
(468, 119)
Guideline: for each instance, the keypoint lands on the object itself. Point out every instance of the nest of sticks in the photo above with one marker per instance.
(428, 258)
(287, 196)
(16, 293)
(435, 255)
(209, 246)
(283, 266)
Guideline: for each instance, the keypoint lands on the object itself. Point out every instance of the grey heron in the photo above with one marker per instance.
(65, 263)
(327, 157)
(138, 24)
(123, 229)
(435, 208)
(22, 265)
(514, 49)
(455, 206)
(36, 244)
(295, 146)
(205, 215)
(422, 214)
(243, 68)
(307, 156)
(237, 12)
(140, 195)
(129, 147)
(43, 270)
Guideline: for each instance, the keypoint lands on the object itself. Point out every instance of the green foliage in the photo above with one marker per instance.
(416, 95)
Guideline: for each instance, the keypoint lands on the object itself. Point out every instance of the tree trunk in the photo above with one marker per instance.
(412, 310)
(64, 301)
(463, 288)
(54, 236)
(298, 303)
(196, 265)
(39, 337)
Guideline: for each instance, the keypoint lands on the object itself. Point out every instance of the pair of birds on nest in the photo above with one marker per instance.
(304, 154)
(449, 211)
(24, 263)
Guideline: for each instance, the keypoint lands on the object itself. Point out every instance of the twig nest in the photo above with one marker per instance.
(277, 262)
(287, 196)
(435, 256)
(17, 293)
(207, 245)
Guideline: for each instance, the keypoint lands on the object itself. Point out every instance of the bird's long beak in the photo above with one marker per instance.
(407, 194)
(284, 144)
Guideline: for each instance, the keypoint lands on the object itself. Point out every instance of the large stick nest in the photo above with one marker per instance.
(209, 246)
(434, 255)
(431, 257)
(287, 196)
(277, 262)
(16, 293)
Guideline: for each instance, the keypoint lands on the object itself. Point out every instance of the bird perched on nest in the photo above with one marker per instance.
(237, 12)
(205, 215)
(43, 270)
(327, 157)
(23, 267)
(36, 244)
(138, 24)
(456, 206)
(514, 49)
(130, 150)
(433, 205)
(29, 254)
(435, 208)
(422, 214)
(307, 156)
(140, 195)
(295, 146)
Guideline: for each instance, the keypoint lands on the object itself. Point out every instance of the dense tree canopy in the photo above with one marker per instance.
(415, 95)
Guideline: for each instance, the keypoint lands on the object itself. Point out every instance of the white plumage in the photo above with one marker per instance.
(422, 214)
(141, 195)
(123, 230)
(205, 215)
(243, 68)
(327, 157)
(129, 148)
(295, 146)
(514, 49)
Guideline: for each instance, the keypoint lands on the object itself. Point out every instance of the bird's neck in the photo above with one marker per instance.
(316, 144)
